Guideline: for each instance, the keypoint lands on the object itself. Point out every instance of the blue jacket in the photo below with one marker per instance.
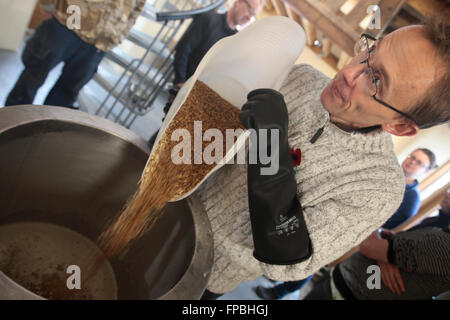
(409, 206)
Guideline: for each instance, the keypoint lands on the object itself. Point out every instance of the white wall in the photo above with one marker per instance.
(437, 139)
(14, 18)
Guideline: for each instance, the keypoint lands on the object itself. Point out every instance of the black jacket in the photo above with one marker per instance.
(202, 34)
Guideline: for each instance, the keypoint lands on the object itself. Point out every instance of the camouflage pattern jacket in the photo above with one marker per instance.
(103, 23)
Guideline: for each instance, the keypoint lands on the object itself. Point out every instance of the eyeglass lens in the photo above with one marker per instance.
(417, 161)
(364, 46)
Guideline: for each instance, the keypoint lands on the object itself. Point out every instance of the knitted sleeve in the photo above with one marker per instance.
(336, 225)
(423, 250)
(302, 79)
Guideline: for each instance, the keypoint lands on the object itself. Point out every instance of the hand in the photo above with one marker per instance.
(279, 230)
(375, 248)
(265, 109)
(391, 278)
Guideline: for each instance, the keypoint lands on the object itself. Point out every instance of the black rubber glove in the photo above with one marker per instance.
(279, 231)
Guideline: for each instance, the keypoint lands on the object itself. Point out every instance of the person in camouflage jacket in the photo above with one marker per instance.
(102, 25)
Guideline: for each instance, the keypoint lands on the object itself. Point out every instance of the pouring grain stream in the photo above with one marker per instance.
(162, 180)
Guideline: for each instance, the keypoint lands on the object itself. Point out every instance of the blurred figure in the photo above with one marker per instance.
(103, 24)
(204, 31)
(419, 162)
(414, 264)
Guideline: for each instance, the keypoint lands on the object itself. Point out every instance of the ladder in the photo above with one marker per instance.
(145, 80)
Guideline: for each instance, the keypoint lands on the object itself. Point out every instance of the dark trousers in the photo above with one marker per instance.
(51, 44)
(321, 289)
(208, 295)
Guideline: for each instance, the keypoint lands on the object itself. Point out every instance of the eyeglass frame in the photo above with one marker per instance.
(366, 36)
(418, 162)
(251, 10)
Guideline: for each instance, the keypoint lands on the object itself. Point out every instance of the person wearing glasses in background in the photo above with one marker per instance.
(415, 165)
(203, 32)
(102, 26)
(414, 265)
(347, 181)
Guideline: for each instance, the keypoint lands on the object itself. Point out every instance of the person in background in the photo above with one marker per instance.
(103, 25)
(414, 264)
(419, 162)
(203, 32)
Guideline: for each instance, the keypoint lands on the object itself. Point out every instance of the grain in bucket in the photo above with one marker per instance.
(260, 56)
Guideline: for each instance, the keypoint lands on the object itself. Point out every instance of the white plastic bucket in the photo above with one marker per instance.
(259, 56)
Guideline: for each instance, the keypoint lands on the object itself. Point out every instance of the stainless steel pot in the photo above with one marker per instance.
(77, 170)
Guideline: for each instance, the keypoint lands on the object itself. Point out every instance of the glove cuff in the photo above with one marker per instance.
(264, 91)
(284, 262)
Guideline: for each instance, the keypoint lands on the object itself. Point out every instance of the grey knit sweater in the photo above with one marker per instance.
(349, 184)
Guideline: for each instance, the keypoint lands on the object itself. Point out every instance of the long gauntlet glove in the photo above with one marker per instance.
(279, 231)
